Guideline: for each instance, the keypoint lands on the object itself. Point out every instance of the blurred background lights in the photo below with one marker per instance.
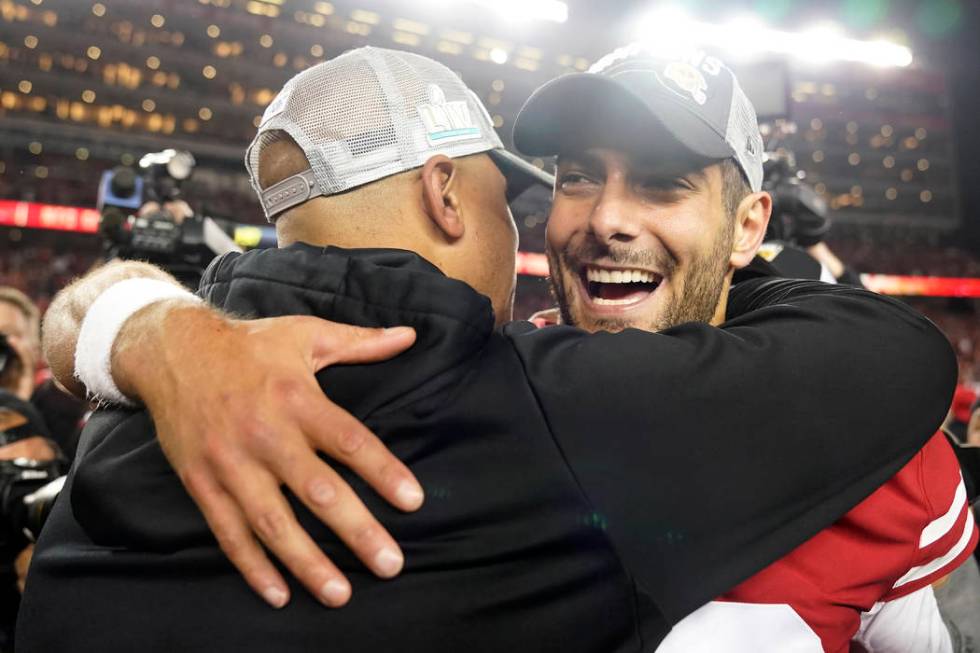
(669, 27)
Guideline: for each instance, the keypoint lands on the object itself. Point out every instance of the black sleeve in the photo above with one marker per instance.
(124, 492)
(712, 452)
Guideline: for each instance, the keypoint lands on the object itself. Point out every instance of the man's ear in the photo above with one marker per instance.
(439, 182)
(751, 221)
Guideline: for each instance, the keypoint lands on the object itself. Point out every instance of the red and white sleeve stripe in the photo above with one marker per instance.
(944, 544)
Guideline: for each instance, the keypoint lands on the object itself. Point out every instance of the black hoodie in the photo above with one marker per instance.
(583, 492)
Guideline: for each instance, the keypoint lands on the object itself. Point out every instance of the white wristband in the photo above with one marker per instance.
(104, 319)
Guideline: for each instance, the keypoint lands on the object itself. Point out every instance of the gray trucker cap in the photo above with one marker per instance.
(694, 97)
(371, 113)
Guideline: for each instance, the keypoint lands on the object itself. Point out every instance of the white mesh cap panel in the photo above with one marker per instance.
(371, 113)
(743, 135)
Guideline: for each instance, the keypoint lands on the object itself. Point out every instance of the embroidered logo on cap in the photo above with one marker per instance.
(446, 122)
(687, 78)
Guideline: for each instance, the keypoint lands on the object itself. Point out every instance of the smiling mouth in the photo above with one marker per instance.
(619, 288)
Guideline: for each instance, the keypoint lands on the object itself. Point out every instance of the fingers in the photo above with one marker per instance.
(333, 501)
(270, 517)
(333, 343)
(343, 438)
(235, 538)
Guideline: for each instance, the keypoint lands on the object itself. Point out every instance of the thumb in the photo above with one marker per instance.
(334, 343)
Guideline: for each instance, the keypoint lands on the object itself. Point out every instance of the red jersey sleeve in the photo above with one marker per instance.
(949, 535)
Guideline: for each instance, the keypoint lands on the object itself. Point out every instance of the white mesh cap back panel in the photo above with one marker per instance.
(371, 113)
(743, 135)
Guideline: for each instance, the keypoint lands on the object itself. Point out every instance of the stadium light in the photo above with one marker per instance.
(498, 55)
(517, 10)
(667, 29)
(520, 10)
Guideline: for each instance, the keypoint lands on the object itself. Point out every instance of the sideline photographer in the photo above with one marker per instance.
(29, 458)
(19, 344)
(800, 222)
(144, 217)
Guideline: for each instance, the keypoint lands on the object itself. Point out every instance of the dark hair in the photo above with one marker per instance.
(734, 186)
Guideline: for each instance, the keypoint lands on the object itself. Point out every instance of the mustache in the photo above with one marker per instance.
(590, 250)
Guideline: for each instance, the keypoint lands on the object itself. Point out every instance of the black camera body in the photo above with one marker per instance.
(799, 214)
(182, 247)
(23, 506)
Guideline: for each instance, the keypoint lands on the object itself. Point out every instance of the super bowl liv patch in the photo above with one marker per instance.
(446, 122)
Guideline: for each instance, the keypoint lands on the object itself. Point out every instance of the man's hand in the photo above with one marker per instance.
(238, 413)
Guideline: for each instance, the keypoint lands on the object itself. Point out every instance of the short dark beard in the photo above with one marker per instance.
(696, 296)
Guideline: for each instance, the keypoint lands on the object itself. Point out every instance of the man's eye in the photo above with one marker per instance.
(667, 184)
(661, 185)
(572, 181)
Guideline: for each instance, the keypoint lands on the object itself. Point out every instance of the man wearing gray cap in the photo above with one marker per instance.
(869, 576)
(579, 496)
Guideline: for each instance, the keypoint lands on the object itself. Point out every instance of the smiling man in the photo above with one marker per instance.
(572, 504)
(644, 233)
(656, 158)
(664, 267)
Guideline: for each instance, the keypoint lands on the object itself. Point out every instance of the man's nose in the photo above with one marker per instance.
(614, 218)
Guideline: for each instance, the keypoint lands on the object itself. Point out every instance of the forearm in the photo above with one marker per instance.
(137, 355)
(63, 320)
(822, 253)
(743, 440)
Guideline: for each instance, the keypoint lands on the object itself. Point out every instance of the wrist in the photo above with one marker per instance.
(104, 320)
(146, 354)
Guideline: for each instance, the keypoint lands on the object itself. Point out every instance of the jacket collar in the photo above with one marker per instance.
(365, 287)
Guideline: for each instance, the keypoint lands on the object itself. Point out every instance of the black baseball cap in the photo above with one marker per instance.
(690, 98)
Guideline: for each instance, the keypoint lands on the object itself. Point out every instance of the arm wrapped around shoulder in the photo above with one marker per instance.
(713, 451)
(899, 366)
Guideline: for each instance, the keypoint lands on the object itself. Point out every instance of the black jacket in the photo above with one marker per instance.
(583, 492)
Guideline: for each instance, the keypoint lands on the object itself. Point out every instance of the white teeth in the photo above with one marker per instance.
(599, 275)
(599, 301)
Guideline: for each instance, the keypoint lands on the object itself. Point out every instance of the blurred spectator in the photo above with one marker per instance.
(973, 428)
(20, 344)
(23, 435)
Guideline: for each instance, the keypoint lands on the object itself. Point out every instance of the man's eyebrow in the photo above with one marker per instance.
(584, 159)
(697, 173)
(658, 169)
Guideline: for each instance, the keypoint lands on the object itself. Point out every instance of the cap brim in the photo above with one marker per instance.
(520, 174)
(633, 109)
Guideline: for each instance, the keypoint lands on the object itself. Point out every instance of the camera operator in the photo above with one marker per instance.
(177, 210)
(144, 217)
(795, 239)
(27, 452)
